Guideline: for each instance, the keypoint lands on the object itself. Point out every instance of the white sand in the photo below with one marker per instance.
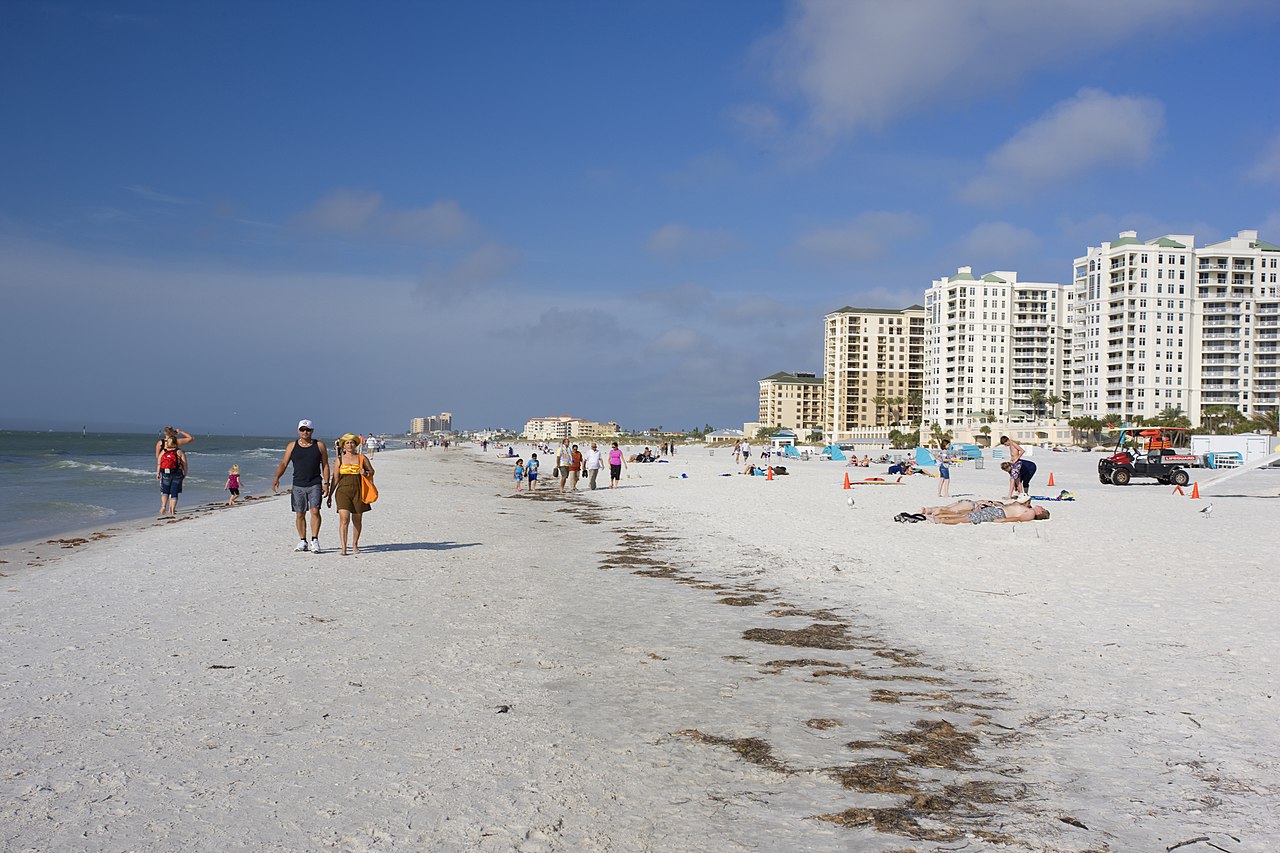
(1113, 666)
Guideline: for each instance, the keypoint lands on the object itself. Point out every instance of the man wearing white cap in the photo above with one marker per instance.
(310, 473)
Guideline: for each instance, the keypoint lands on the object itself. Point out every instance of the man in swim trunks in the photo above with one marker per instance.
(957, 508)
(999, 514)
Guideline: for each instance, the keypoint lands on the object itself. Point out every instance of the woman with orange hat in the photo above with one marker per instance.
(352, 465)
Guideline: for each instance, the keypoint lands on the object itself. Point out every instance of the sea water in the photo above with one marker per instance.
(56, 482)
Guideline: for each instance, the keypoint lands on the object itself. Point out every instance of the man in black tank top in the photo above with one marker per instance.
(310, 479)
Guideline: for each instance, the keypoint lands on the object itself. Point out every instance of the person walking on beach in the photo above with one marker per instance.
(233, 484)
(575, 469)
(563, 461)
(179, 435)
(519, 473)
(310, 475)
(352, 465)
(171, 470)
(737, 452)
(944, 470)
(617, 459)
(594, 460)
(531, 471)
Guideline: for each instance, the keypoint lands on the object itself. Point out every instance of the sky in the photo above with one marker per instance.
(229, 216)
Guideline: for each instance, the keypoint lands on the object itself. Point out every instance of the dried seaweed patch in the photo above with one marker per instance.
(753, 749)
(819, 635)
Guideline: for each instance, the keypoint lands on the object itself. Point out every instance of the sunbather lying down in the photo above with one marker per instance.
(996, 513)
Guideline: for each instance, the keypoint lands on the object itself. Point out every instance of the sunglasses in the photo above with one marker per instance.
(305, 429)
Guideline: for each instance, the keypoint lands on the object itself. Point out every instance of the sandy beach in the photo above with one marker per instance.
(687, 663)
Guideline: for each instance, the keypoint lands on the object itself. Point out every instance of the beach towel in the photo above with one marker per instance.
(1064, 495)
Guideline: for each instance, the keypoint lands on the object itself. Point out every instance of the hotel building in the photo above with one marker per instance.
(562, 427)
(792, 401)
(1163, 325)
(442, 422)
(990, 342)
(871, 356)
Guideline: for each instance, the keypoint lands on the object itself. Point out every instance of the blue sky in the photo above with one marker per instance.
(232, 215)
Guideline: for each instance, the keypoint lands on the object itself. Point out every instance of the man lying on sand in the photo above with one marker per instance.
(997, 514)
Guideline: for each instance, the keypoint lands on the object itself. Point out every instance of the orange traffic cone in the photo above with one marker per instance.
(1050, 478)
(847, 484)
(1195, 490)
(1177, 490)
(769, 476)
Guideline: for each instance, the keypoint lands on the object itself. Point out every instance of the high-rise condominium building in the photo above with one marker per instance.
(1238, 312)
(559, 427)
(991, 343)
(873, 368)
(1163, 325)
(792, 401)
(442, 422)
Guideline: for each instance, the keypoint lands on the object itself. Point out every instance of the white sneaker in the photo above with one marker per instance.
(315, 546)
(302, 545)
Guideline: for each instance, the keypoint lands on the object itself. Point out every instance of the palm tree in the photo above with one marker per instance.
(1053, 400)
(986, 432)
(879, 401)
(1222, 419)
(939, 435)
(1037, 398)
(896, 408)
(1268, 420)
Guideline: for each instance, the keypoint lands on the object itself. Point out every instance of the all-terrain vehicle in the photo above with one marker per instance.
(1149, 452)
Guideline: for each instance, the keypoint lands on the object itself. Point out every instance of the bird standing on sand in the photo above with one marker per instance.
(1207, 511)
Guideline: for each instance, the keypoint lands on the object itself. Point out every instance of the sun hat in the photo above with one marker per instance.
(305, 424)
(350, 436)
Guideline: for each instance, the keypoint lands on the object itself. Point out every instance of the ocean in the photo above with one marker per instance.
(52, 483)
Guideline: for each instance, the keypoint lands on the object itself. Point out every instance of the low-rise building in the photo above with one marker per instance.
(563, 426)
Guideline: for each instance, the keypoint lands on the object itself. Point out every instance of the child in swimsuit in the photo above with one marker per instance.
(519, 473)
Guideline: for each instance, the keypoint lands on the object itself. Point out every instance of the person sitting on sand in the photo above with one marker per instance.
(998, 514)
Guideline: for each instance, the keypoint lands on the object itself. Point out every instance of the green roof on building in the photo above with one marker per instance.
(1126, 241)
(962, 276)
(1266, 247)
(849, 310)
(1166, 243)
(783, 376)
(992, 278)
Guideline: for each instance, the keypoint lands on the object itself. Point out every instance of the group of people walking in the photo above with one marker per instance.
(572, 465)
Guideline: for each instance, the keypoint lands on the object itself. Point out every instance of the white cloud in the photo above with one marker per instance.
(681, 241)
(154, 195)
(861, 64)
(485, 266)
(1088, 131)
(680, 340)
(363, 213)
(866, 238)
(757, 120)
(1268, 166)
(998, 239)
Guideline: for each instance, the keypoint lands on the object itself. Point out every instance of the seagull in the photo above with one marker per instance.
(850, 501)
(1207, 511)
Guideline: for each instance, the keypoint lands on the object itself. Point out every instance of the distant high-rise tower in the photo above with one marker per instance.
(873, 368)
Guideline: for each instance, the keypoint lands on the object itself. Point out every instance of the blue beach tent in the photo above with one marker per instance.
(790, 450)
(924, 458)
(836, 454)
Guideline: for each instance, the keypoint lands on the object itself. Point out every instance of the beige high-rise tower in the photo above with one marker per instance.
(873, 368)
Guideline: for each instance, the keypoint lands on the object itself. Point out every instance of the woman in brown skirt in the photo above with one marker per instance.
(351, 463)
